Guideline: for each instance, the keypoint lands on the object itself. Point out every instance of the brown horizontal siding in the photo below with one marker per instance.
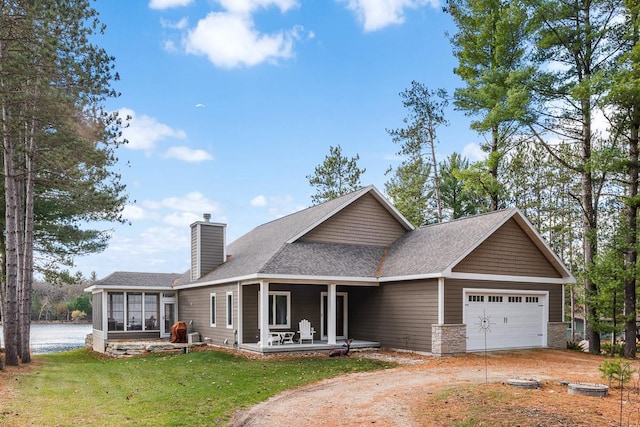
(207, 248)
(211, 246)
(195, 268)
(364, 222)
(398, 315)
(454, 303)
(194, 305)
(508, 251)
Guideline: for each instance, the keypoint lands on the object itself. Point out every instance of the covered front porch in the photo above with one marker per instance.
(332, 310)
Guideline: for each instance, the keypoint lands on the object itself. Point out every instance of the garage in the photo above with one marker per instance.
(505, 319)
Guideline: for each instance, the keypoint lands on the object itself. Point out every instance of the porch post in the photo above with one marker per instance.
(440, 300)
(263, 321)
(331, 315)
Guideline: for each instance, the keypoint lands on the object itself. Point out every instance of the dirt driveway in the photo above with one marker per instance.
(401, 396)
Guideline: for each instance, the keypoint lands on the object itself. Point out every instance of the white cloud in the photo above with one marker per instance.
(473, 152)
(249, 6)
(377, 14)
(133, 213)
(230, 40)
(194, 202)
(168, 4)
(144, 132)
(259, 201)
(178, 25)
(181, 220)
(188, 154)
(170, 46)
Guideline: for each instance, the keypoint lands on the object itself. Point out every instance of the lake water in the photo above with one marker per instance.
(56, 337)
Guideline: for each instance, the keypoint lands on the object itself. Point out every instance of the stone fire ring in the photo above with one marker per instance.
(527, 383)
(588, 389)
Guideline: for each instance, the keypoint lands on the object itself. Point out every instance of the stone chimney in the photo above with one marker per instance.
(208, 246)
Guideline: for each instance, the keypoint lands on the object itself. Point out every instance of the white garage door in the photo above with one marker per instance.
(498, 320)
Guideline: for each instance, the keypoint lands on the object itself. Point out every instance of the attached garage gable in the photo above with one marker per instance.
(508, 251)
(505, 319)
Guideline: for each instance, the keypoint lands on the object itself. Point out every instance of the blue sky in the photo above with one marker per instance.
(235, 102)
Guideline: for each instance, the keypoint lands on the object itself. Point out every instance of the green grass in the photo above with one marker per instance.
(199, 388)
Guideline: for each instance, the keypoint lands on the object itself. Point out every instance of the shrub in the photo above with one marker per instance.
(618, 350)
(617, 370)
(78, 315)
(573, 345)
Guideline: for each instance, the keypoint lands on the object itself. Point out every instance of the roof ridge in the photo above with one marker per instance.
(470, 217)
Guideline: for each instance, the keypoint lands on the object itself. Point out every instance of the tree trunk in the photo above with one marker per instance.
(495, 136)
(10, 307)
(589, 225)
(631, 252)
(26, 276)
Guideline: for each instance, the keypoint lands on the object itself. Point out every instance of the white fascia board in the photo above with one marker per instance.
(255, 278)
(411, 277)
(122, 288)
(501, 278)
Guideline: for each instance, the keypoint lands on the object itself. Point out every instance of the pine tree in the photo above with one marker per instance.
(335, 176)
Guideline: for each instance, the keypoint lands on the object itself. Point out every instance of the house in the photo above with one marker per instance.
(354, 267)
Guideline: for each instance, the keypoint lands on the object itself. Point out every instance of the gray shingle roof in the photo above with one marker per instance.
(132, 279)
(252, 252)
(326, 259)
(272, 249)
(434, 248)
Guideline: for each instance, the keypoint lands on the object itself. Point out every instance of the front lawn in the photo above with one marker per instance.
(198, 388)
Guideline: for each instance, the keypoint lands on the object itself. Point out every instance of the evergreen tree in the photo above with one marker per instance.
(410, 192)
(490, 48)
(578, 39)
(58, 147)
(418, 145)
(623, 100)
(459, 200)
(336, 176)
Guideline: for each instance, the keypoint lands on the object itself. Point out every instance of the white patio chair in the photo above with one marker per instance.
(306, 331)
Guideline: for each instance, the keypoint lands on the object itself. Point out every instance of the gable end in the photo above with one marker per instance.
(364, 222)
(508, 251)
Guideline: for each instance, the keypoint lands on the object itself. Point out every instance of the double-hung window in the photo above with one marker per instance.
(229, 309)
(212, 318)
(279, 309)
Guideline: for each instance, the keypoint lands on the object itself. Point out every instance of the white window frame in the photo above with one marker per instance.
(272, 324)
(213, 312)
(229, 311)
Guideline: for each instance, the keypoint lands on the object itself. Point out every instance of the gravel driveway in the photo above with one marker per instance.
(385, 398)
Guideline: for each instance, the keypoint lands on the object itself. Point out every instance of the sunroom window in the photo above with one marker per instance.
(140, 309)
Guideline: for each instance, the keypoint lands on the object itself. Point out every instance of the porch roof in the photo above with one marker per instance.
(128, 279)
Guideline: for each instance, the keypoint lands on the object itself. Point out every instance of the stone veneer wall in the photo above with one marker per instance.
(448, 339)
(557, 335)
